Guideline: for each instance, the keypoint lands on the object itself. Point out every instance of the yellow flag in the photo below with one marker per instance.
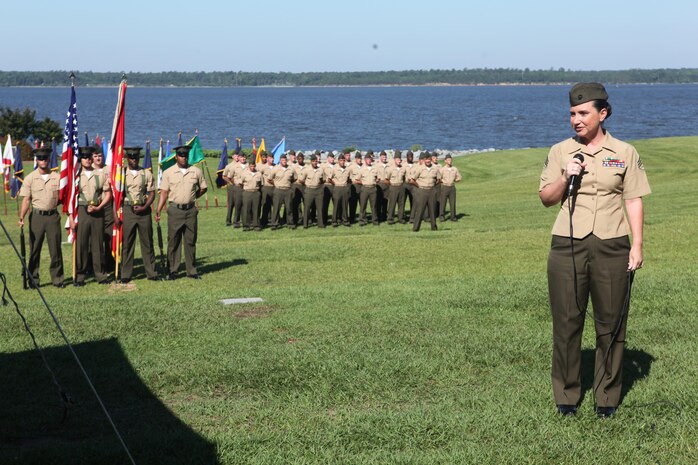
(258, 158)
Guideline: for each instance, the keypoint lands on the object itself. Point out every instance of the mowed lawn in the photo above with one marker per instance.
(373, 345)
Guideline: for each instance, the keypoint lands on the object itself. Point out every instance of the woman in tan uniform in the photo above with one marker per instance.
(592, 253)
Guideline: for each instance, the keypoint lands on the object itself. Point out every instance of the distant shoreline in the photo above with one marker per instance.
(402, 78)
(329, 86)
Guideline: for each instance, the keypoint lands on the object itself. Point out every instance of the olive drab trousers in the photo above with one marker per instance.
(182, 224)
(602, 273)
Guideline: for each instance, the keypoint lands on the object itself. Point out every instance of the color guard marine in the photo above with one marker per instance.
(94, 194)
(181, 185)
(40, 197)
(138, 199)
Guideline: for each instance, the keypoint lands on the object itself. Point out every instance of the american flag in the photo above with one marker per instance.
(70, 166)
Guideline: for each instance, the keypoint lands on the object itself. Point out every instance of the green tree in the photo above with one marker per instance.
(47, 129)
(17, 123)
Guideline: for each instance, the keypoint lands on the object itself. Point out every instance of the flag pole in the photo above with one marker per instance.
(210, 179)
(120, 209)
(75, 231)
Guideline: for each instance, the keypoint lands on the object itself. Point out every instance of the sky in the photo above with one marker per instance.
(354, 35)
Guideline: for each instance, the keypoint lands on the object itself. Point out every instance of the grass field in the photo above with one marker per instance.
(373, 345)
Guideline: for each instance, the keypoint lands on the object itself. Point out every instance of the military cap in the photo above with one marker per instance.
(369, 154)
(346, 151)
(357, 155)
(251, 160)
(313, 157)
(586, 92)
(300, 155)
(424, 155)
(182, 149)
(397, 154)
(409, 152)
(434, 154)
(132, 152)
(98, 150)
(42, 152)
(283, 155)
(330, 154)
(86, 152)
(317, 152)
(292, 152)
(448, 155)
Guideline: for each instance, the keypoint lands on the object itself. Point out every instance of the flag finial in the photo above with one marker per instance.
(71, 76)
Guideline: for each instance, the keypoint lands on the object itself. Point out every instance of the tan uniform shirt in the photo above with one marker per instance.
(251, 181)
(267, 174)
(354, 169)
(138, 185)
(614, 173)
(43, 194)
(340, 175)
(313, 177)
(327, 169)
(107, 171)
(182, 188)
(298, 169)
(449, 176)
(368, 176)
(283, 177)
(381, 172)
(409, 170)
(426, 177)
(229, 169)
(92, 188)
(238, 172)
(396, 175)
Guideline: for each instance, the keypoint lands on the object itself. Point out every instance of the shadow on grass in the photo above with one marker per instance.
(33, 429)
(203, 265)
(636, 366)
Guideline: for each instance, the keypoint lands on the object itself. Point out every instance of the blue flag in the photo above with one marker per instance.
(147, 160)
(278, 150)
(53, 161)
(18, 179)
(220, 182)
(105, 150)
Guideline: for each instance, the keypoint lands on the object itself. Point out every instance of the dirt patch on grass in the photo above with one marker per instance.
(262, 311)
(119, 287)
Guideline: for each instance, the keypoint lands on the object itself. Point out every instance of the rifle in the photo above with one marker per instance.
(163, 260)
(23, 252)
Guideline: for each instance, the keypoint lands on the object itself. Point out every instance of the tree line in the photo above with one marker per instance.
(408, 77)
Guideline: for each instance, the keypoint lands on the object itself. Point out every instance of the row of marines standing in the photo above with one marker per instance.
(257, 193)
(181, 184)
(296, 187)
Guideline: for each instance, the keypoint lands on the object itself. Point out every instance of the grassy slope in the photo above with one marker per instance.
(377, 345)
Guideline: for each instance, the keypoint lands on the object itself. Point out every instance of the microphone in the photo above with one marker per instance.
(573, 178)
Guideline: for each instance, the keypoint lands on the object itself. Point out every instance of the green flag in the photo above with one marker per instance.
(196, 155)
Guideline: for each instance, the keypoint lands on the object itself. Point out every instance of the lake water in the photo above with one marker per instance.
(453, 118)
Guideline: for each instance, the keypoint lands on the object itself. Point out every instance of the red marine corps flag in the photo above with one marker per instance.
(116, 175)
